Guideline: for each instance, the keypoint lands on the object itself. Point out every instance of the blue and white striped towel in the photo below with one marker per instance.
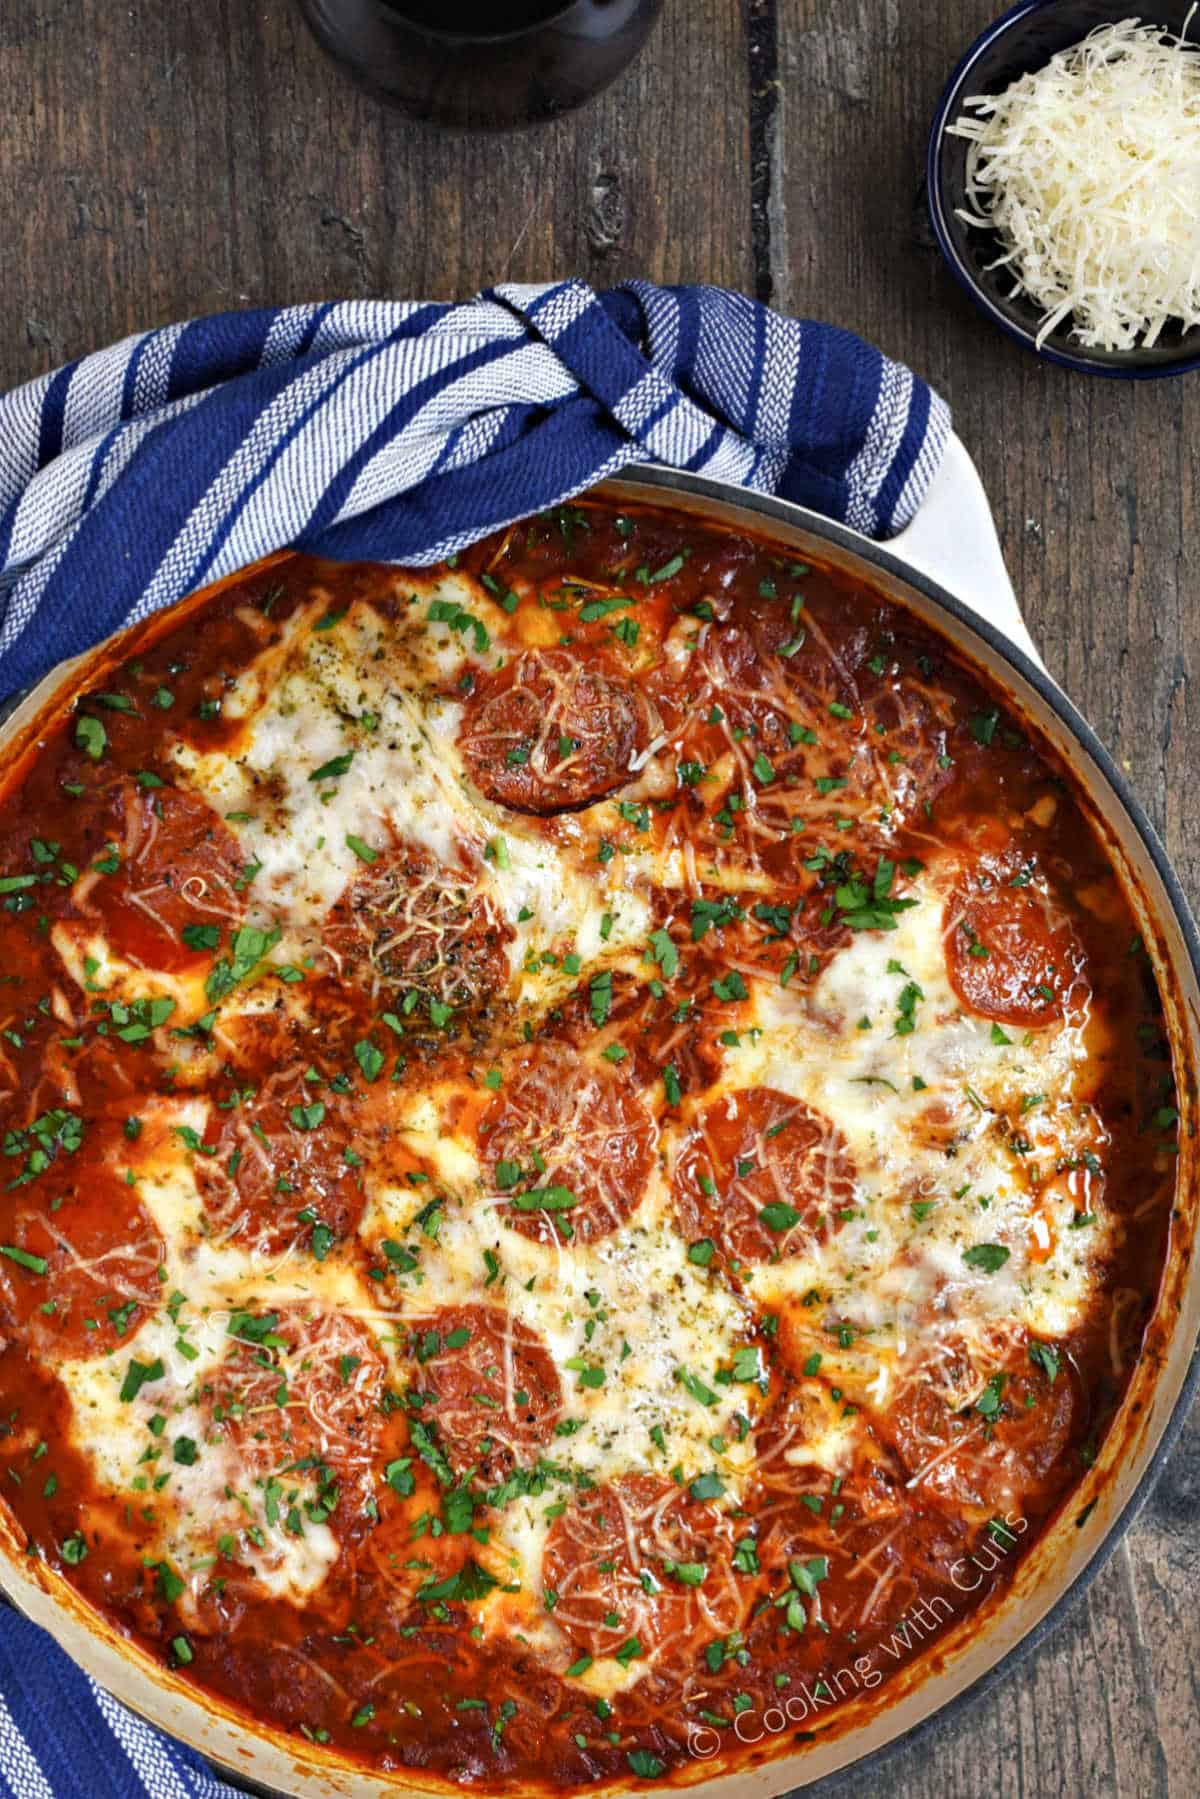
(402, 432)
(62, 1737)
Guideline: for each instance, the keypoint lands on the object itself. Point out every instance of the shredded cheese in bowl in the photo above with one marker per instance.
(1089, 171)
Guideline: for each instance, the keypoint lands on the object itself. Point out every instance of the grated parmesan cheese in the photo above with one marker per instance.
(1089, 171)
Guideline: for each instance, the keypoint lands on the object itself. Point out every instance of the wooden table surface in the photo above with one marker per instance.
(160, 160)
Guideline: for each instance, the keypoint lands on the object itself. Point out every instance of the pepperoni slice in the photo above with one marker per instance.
(269, 1158)
(843, 747)
(638, 1558)
(551, 732)
(179, 865)
(861, 1531)
(759, 1174)
(94, 1257)
(1010, 955)
(618, 1008)
(570, 1141)
(872, 1554)
(301, 1386)
(964, 1447)
(492, 1389)
(410, 923)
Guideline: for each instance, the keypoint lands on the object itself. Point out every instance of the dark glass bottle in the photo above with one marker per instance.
(466, 62)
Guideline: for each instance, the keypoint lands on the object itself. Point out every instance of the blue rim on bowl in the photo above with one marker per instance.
(1022, 40)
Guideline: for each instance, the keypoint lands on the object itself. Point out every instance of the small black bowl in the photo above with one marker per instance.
(1024, 40)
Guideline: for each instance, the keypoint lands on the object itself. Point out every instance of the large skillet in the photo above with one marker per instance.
(952, 538)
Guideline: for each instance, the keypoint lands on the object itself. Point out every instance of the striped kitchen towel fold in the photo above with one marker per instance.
(63, 1737)
(402, 431)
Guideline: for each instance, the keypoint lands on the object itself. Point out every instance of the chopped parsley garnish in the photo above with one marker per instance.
(730, 986)
(594, 609)
(201, 936)
(337, 765)
(871, 907)
(987, 1257)
(449, 612)
(600, 992)
(906, 1005)
(247, 948)
(664, 952)
(708, 915)
(370, 1059)
(541, 1199)
(91, 736)
(23, 1259)
(988, 1405)
(699, 1390)
(468, 1583)
(136, 1376)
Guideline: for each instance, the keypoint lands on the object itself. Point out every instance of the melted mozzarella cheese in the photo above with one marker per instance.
(335, 696)
(349, 692)
(186, 1507)
(925, 1115)
(99, 971)
(205, 1281)
(630, 1305)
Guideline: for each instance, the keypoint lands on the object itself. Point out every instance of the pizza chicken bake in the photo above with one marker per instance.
(584, 1131)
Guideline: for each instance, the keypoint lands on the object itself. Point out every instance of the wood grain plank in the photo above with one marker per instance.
(1094, 486)
(1165, 1561)
(1044, 1732)
(160, 161)
(166, 161)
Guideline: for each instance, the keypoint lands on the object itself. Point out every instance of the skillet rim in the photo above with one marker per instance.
(657, 485)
